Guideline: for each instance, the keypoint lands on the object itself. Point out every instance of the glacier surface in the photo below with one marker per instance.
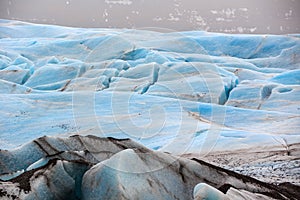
(186, 89)
(189, 94)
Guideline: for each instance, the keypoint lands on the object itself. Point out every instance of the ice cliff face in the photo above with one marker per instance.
(105, 168)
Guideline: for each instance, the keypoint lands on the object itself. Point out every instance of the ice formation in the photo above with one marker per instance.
(87, 167)
(190, 94)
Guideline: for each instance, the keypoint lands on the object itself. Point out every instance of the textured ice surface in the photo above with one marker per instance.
(185, 92)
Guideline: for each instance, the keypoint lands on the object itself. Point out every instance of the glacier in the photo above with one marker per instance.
(230, 100)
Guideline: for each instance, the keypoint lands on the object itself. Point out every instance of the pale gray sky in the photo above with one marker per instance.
(234, 16)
